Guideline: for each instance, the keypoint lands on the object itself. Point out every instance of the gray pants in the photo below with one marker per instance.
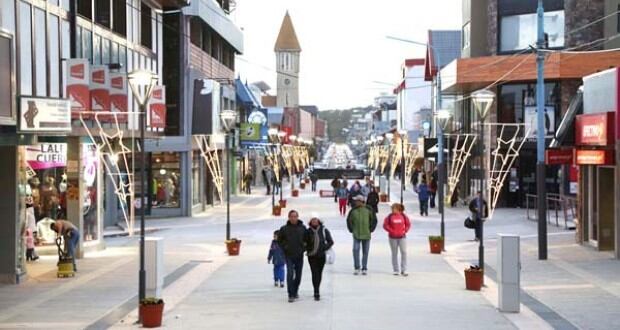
(395, 245)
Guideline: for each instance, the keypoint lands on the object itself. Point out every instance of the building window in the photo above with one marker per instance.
(195, 31)
(119, 17)
(618, 20)
(207, 40)
(466, 35)
(196, 178)
(40, 52)
(146, 27)
(102, 12)
(54, 56)
(166, 174)
(518, 32)
(25, 49)
(84, 8)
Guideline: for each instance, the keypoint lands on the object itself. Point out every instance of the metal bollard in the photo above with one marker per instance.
(509, 273)
(154, 266)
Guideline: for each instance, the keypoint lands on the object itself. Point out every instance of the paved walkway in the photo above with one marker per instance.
(204, 288)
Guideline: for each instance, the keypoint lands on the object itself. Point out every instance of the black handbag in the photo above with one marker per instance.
(469, 223)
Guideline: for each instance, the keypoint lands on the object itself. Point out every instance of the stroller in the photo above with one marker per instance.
(65, 261)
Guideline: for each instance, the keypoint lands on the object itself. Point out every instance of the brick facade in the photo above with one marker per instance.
(492, 27)
(578, 13)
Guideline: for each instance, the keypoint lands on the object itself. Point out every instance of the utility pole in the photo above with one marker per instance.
(540, 137)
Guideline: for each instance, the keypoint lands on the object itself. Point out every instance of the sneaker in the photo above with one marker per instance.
(296, 297)
(404, 274)
(364, 272)
(291, 299)
(356, 272)
(396, 273)
(317, 297)
(275, 284)
(282, 284)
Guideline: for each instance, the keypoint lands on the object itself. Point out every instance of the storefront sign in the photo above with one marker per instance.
(157, 107)
(594, 157)
(44, 115)
(531, 120)
(250, 132)
(618, 104)
(595, 129)
(46, 155)
(99, 88)
(559, 156)
(78, 81)
(118, 94)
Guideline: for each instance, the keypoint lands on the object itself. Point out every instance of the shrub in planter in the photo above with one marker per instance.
(306, 180)
(151, 312)
(295, 193)
(233, 246)
(383, 198)
(277, 210)
(436, 244)
(302, 185)
(474, 277)
(283, 203)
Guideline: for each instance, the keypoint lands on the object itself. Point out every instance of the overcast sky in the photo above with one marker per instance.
(343, 43)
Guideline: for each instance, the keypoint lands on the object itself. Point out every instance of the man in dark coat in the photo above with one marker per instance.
(292, 241)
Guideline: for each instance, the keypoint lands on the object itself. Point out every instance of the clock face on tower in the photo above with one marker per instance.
(287, 81)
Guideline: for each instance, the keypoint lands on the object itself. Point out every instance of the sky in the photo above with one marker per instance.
(344, 49)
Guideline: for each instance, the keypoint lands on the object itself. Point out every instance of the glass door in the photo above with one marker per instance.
(593, 205)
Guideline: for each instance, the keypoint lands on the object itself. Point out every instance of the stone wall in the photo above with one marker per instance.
(578, 13)
(492, 27)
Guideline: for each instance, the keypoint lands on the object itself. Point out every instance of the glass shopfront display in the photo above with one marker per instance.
(196, 178)
(166, 180)
(90, 209)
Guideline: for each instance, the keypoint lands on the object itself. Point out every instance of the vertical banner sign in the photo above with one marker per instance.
(100, 88)
(157, 107)
(618, 104)
(78, 90)
(118, 94)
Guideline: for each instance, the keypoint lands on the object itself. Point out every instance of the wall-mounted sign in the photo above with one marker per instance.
(618, 104)
(595, 129)
(250, 132)
(559, 156)
(44, 115)
(46, 155)
(594, 157)
(157, 107)
(99, 88)
(78, 85)
(118, 94)
(531, 120)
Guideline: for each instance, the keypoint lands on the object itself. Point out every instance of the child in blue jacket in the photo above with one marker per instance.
(276, 256)
(423, 195)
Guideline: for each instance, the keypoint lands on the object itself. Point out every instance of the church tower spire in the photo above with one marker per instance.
(287, 51)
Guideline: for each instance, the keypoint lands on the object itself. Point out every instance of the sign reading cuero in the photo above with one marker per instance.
(595, 129)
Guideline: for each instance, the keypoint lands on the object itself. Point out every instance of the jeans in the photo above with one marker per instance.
(248, 189)
(432, 197)
(316, 267)
(278, 273)
(365, 245)
(72, 242)
(395, 245)
(423, 206)
(268, 190)
(294, 267)
(342, 206)
(313, 185)
(276, 188)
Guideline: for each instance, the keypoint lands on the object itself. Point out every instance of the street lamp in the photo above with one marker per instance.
(443, 118)
(388, 138)
(483, 100)
(142, 83)
(273, 137)
(281, 136)
(402, 134)
(228, 117)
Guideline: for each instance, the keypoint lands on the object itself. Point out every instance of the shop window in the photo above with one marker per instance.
(54, 56)
(105, 51)
(119, 17)
(518, 32)
(102, 13)
(207, 40)
(25, 49)
(85, 9)
(146, 26)
(196, 178)
(90, 208)
(97, 50)
(196, 31)
(87, 44)
(166, 184)
(40, 53)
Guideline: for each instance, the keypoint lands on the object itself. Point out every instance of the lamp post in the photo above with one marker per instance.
(388, 138)
(142, 83)
(380, 139)
(228, 117)
(443, 118)
(281, 136)
(540, 137)
(273, 135)
(402, 134)
(293, 138)
(483, 100)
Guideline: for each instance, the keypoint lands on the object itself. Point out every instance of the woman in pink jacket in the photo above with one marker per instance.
(397, 225)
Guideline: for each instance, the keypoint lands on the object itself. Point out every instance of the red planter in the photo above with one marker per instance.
(473, 279)
(436, 245)
(383, 198)
(151, 315)
(283, 203)
(233, 247)
(307, 181)
(277, 210)
(295, 193)
(302, 185)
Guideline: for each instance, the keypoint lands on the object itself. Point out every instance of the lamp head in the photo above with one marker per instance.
(142, 82)
(228, 117)
(483, 100)
(380, 139)
(443, 118)
(389, 136)
(293, 138)
(281, 134)
(272, 132)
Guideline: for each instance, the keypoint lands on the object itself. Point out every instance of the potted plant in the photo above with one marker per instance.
(151, 312)
(295, 192)
(302, 185)
(307, 180)
(383, 198)
(283, 203)
(436, 244)
(277, 210)
(474, 277)
(233, 246)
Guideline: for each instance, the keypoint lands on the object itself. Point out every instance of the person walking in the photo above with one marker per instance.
(432, 188)
(291, 239)
(361, 222)
(267, 178)
(397, 225)
(479, 211)
(343, 197)
(318, 240)
(314, 179)
(423, 195)
(373, 199)
(70, 234)
(335, 186)
(247, 181)
(276, 256)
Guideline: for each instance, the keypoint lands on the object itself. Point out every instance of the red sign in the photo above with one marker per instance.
(289, 131)
(618, 104)
(78, 85)
(559, 156)
(594, 157)
(595, 129)
(157, 107)
(100, 88)
(118, 94)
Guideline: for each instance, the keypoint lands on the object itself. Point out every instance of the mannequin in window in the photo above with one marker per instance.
(49, 197)
(36, 197)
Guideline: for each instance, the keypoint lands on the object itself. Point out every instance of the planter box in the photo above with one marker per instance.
(473, 279)
(277, 210)
(302, 185)
(383, 198)
(151, 315)
(233, 247)
(283, 203)
(436, 245)
(307, 181)
(295, 193)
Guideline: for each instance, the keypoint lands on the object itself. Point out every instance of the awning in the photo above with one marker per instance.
(245, 96)
(275, 115)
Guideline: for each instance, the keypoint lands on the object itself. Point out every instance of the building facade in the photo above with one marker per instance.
(413, 94)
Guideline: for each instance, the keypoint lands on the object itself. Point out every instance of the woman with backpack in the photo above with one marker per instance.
(397, 225)
(318, 240)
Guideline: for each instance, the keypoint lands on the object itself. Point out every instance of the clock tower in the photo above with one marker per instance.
(287, 64)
